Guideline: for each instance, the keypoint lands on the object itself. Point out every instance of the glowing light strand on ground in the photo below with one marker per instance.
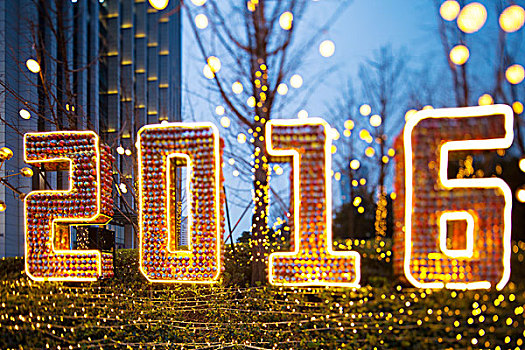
(313, 262)
(50, 213)
(196, 146)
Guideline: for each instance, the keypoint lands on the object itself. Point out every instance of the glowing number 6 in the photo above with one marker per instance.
(196, 146)
(434, 203)
(49, 213)
(313, 261)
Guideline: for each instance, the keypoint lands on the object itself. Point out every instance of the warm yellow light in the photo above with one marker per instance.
(427, 107)
(485, 100)
(123, 188)
(208, 73)
(26, 172)
(517, 106)
(127, 152)
(3, 207)
(361, 210)
(33, 65)
(375, 120)
(214, 63)
(302, 114)
(237, 87)
(472, 17)
(198, 2)
(120, 150)
(520, 195)
(449, 10)
(364, 134)
(159, 4)
(522, 164)
(24, 114)
(459, 54)
(296, 81)
(201, 21)
(250, 101)
(512, 18)
(231, 161)
(365, 110)
(515, 74)
(219, 110)
(409, 114)
(369, 152)
(357, 201)
(349, 124)
(393, 195)
(327, 48)
(5, 153)
(355, 164)
(384, 159)
(347, 133)
(285, 21)
(278, 170)
(235, 173)
(225, 122)
(337, 176)
(362, 181)
(282, 89)
(335, 134)
(391, 152)
(334, 149)
(241, 138)
(355, 183)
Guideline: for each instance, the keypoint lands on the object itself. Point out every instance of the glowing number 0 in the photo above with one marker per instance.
(484, 258)
(313, 261)
(50, 212)
(196, 146)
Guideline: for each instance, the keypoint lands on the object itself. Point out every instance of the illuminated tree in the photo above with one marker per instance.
(256, 40)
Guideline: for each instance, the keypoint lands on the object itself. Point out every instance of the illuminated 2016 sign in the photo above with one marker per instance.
(49, 213)
(452, 233)
(313, 261)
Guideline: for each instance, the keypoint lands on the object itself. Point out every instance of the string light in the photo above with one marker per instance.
(327, 48)
(472, 17)
(449, 10)
(24, 114)
(159, 4)
(285, 20)
(33, 65)
(201, 21)
(512, 18)
(459, 54)
(296, 81)
(515, 74)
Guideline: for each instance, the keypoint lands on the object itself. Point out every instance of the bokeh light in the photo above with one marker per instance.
(375, 120)
(355, 164)
(369, 152)
(459, 54)
(520, 195)
(515, 74)
(327, 48)
(449, 10)
(517, 106)
(237, 87)
(365, 110)
(214, 63)
(286, 20)
(485, 100)
(512, 18)
(33, 65)
(201, 21)
(522, 164)
(302, 114)
(241, 138)
(225, 122)
(282, 89)
(24, 114)
(409, 114)
(159, 4)
(208, 73)
(296, 81)
(349, 124)
(472, 17)
(219, 110)
(198, 2)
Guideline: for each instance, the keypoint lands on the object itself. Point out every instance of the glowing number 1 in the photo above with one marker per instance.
(49, 213)
(313, 261)
(196, 146)
(479, 208)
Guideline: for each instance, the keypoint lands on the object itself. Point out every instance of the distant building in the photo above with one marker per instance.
(123, 71)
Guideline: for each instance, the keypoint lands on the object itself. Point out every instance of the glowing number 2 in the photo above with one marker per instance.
(313, 262)
(433, 201)
(196, 146)
(50, 212)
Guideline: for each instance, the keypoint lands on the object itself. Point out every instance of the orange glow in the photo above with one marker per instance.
(440, 199)
(161, 148)
(515, 74)
(313, 262)
(512, 18)
(49, 213)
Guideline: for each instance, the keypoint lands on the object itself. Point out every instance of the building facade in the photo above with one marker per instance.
(110, 66)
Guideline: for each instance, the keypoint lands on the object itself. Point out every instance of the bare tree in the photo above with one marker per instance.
(260, 55)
